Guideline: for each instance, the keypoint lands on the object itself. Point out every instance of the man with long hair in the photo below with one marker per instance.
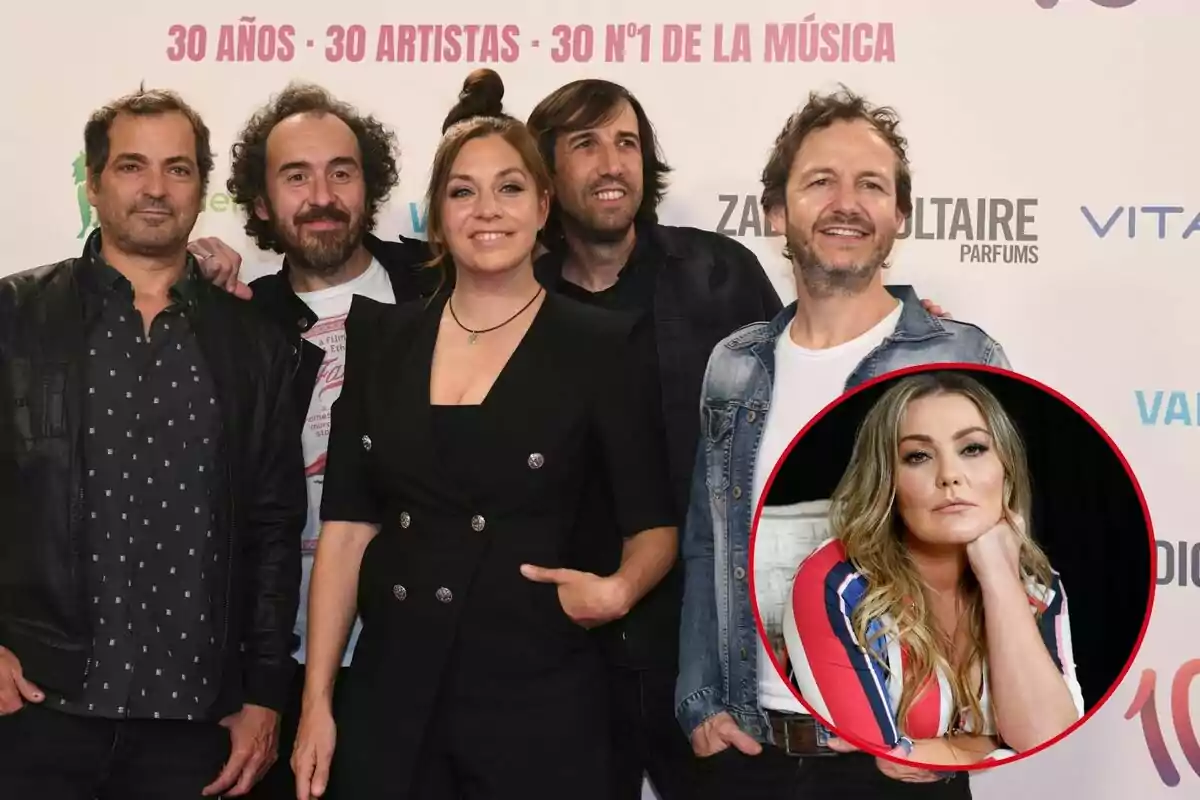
(607, 248)
(837, 183)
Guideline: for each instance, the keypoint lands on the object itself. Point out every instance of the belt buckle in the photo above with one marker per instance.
(822, 734)
(787, 737)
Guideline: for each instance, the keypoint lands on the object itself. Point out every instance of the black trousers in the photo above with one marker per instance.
(774, 775)
(280, 782)
(646, 737)
(49, 755)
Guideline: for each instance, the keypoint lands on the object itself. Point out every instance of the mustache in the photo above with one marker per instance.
(322, 214)
(609, 183)
(154, 205)
(847, 219)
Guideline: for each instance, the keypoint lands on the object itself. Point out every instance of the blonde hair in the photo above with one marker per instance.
(864, 519)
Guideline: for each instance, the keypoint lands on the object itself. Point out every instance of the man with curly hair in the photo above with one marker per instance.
(310, 173)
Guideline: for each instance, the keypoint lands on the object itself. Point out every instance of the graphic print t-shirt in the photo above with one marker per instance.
(331, 306)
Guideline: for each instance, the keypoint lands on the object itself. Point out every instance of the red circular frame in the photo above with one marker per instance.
(942, 366)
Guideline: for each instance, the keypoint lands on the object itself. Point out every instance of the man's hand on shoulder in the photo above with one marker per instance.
(936, 310)
(220, 264)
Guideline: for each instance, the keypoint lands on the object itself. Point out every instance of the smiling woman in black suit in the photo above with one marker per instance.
(473, 435)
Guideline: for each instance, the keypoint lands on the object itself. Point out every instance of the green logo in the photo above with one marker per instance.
(87, 215)
(216, 202)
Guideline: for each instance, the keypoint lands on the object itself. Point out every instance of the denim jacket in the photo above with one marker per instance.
(718, 645)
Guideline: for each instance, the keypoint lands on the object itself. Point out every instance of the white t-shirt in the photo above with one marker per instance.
(805, 382)
(331, 306)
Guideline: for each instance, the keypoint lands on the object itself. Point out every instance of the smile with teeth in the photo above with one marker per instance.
(849, 233)
(489, 236)
(610, 194)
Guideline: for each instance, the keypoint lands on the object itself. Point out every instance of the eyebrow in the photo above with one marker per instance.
(870, 173)
(340, 161)
(502, 174)
(920, 437)
(141, 159)
(577, 135)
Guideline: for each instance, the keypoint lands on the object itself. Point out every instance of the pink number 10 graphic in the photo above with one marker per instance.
(1181, 715)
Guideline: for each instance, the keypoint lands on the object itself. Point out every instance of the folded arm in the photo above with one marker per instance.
(957, 750)
(1031, 667)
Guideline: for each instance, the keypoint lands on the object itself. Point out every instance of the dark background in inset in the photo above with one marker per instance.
(1086, 514)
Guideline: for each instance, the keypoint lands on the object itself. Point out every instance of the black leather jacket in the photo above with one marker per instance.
(44, 617)
(274, 296)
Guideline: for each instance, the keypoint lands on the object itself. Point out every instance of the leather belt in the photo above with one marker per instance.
(799, 734)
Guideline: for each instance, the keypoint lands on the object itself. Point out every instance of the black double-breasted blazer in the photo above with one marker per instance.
(570, 421)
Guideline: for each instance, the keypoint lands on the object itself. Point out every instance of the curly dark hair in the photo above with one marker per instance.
(821, 111)
(588, 103)
(247, 176)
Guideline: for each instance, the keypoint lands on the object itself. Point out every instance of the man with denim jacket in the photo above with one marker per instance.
(838, 185)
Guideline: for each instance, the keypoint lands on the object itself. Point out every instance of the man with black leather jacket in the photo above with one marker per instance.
(151, 495)
(309, 173)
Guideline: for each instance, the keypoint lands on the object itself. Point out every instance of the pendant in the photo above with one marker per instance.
(471, 339)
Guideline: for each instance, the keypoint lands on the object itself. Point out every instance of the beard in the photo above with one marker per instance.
(823, 279)
(599, 227)
(320, 252)
(135, 235)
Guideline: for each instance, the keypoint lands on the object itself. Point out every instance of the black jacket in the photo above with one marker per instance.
(708, 286)
(274, 296)
(451, 625)
(44, 615)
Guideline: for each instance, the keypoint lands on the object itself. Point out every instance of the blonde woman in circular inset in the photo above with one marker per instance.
(932, 624)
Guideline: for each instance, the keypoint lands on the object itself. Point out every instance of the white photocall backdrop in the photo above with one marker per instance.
(1069, 125)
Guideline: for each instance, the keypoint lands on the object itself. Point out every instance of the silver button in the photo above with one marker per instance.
(751, 417)
(536, 460)
(399, 592)
(405, 519)
(478, 523)
(366, 442)
(444, 595)
(739, 573)
(737, 491)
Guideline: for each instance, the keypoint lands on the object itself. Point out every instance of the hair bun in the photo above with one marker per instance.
(482, 95)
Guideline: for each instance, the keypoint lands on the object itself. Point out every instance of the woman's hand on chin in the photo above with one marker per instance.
(997, 551)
